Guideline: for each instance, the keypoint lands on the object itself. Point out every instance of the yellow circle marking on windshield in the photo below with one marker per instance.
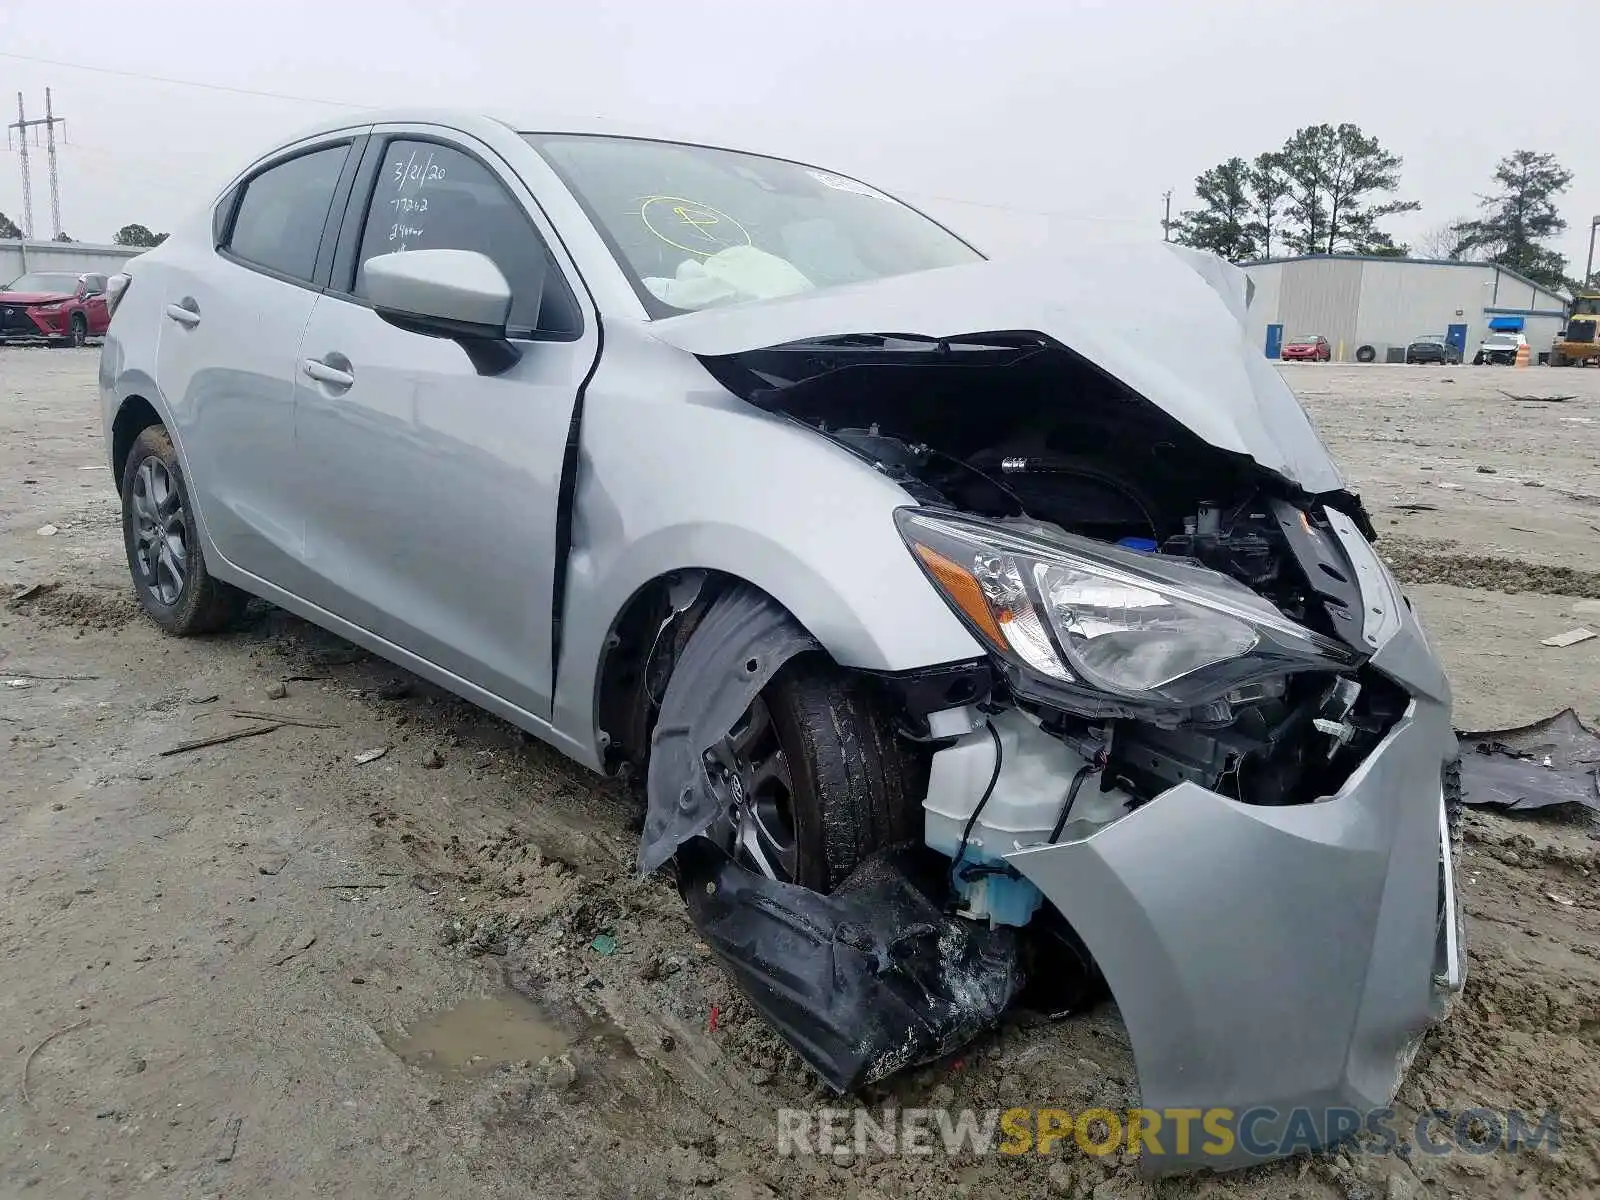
(704, 230)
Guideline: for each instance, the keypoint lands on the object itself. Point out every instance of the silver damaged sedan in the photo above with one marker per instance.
(981, 634)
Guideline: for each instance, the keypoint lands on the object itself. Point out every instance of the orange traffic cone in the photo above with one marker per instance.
(1523, 355)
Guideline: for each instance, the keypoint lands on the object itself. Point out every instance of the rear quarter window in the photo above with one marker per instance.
(279, 218)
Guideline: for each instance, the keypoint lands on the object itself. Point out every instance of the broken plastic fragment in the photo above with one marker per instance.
(1571, 638)
(864, 982)
(1547, 763)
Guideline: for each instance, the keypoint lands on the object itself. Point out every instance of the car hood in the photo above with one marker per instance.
(33, 297)
(1166, 321)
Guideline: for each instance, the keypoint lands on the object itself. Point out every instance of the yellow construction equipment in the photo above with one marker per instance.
(1578, 344)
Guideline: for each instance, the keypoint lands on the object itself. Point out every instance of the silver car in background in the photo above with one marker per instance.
(973, 626)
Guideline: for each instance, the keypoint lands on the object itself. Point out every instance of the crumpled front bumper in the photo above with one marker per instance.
(1280, 963)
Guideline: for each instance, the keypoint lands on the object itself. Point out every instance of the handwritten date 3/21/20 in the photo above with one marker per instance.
(415, 171)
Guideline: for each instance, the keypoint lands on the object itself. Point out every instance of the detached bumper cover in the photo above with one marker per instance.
(1280, 962)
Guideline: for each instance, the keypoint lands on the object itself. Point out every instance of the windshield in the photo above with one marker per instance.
(1586, 306)
(1303, 341)
(44, 281)
(695, 227)
(1430, 339)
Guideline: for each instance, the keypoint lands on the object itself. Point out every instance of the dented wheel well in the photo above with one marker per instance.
(135, 416)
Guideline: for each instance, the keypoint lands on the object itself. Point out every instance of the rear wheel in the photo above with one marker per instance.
(812, 778)
(164, 557)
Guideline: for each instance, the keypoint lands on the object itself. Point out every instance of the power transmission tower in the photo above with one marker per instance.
(50, 120)
(22, 125)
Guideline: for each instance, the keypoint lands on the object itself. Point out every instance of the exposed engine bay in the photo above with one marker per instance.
(1181, 656)
(1012, 428)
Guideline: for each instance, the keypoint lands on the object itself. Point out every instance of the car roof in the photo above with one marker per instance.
(486, 125)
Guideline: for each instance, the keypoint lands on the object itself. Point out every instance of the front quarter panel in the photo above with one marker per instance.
(675, 472)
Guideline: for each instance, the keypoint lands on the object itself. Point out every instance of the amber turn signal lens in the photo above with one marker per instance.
(962, 588)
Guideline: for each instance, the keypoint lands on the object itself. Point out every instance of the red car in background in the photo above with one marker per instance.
(1308, 349)
(60, 307)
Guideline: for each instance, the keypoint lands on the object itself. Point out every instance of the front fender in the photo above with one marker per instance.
(701, 479)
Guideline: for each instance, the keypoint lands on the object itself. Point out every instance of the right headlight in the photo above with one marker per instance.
(1069, 614)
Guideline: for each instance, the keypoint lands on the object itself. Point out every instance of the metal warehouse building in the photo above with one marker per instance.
(1360, 303)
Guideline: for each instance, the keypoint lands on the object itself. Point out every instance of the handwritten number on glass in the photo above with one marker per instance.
(415, 174)
(419, 173)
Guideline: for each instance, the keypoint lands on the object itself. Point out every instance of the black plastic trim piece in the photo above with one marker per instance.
(933, 689)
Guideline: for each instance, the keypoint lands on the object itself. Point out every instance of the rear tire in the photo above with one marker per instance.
(852, 786)
(164, 557)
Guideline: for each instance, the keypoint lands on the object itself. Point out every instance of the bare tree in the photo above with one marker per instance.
(1442, 241)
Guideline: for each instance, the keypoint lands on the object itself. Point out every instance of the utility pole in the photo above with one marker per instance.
(22, 125)
(1588, 265)
(1166, 221)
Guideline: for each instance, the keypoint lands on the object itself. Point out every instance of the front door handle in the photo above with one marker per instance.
(323, 372)
(184, 315)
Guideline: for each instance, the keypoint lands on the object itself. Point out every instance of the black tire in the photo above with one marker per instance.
(1366, 354)
(854, 787)
(164, 559)
(77, 333)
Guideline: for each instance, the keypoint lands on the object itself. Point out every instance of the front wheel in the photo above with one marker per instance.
(164, 557)
(77, 333)
(813, 778)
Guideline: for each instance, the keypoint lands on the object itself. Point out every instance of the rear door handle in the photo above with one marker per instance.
(183, 315)
(323, 373)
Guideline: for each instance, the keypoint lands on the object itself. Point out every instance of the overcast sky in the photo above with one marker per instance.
(991, 114)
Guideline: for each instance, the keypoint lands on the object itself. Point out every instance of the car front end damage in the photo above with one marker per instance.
(1206, 758)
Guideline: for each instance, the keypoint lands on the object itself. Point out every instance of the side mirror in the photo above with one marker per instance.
(457, 294)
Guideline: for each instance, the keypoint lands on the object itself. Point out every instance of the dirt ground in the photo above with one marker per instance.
(269, 968)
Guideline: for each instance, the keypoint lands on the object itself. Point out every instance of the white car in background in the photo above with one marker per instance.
(1499, 349)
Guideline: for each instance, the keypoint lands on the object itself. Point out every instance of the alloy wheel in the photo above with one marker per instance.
(750, 776)
(161, 531)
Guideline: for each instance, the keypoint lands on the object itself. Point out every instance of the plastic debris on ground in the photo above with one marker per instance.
(1549, 763)
(866, 981)
(1571, 638)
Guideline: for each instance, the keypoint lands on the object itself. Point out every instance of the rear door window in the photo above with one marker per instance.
(430, 196)
(280, 218)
